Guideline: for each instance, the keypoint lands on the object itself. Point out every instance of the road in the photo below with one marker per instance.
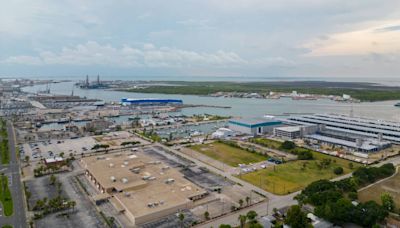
(18, 218)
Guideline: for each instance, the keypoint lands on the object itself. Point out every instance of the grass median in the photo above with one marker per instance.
(5, 196)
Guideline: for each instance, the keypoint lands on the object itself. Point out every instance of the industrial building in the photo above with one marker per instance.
(294, 132)
(141, 188)
(288, 132)
(367, 145)
(254, 126)
(362, 127)
(150, 101)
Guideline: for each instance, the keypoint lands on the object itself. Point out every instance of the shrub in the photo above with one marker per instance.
(338, 170)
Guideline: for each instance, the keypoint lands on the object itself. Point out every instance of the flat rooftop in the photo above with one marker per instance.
(143, 185)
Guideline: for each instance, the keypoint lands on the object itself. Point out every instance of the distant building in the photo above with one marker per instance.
(53, 161)
(98, 125)
(254, 126)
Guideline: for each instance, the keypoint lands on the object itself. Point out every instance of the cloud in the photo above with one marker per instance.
(382, 37)
(149, 55)
(198, 24)
(92, 53)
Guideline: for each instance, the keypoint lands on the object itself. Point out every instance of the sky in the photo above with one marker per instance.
(187, 38)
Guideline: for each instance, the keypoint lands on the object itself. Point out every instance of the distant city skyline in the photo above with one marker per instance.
(216, 38)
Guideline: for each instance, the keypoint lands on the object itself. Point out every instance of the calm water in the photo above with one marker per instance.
(241, 106)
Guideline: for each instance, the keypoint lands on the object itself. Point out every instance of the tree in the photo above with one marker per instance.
(240, 203)
(72, 204)
(181, 218)
(53, 179)
(247, 200)
(353, 195)
(242, 220)
(338, 170)
(288, 145)
(369, 213)
(225, 226)
(207, 215)
(251, 216)
(296, 218)
(351, 166)
(387, 201)
(62, 154)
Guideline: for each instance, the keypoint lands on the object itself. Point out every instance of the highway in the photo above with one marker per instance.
(18, 218)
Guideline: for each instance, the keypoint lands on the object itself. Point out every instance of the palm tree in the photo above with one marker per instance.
(247, 200)
(73, 204)
(181, 218)
(240, 203)
(242, 220)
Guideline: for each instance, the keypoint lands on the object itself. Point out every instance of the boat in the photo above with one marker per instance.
(397, 104)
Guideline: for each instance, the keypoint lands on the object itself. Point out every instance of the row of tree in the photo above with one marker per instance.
(333, 200)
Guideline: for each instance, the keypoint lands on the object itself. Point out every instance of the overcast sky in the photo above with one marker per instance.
(241, 38)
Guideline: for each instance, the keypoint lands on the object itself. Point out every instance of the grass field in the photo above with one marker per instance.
(228, 154)
(5, 196)
(391, 186)
(292, 176)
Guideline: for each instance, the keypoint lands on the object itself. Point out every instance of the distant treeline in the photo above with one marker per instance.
(361, 91)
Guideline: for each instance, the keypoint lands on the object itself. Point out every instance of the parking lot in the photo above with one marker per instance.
(83, 215)
(76, 146)
(52, 148)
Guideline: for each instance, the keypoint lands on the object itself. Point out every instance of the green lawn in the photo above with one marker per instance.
(5, 196)
(291, 176)
(228, 154)
(7, 226)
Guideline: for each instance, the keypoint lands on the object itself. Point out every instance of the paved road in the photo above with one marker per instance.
(18, 219)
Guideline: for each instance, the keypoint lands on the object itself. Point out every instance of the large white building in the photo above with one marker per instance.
(254, 126)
